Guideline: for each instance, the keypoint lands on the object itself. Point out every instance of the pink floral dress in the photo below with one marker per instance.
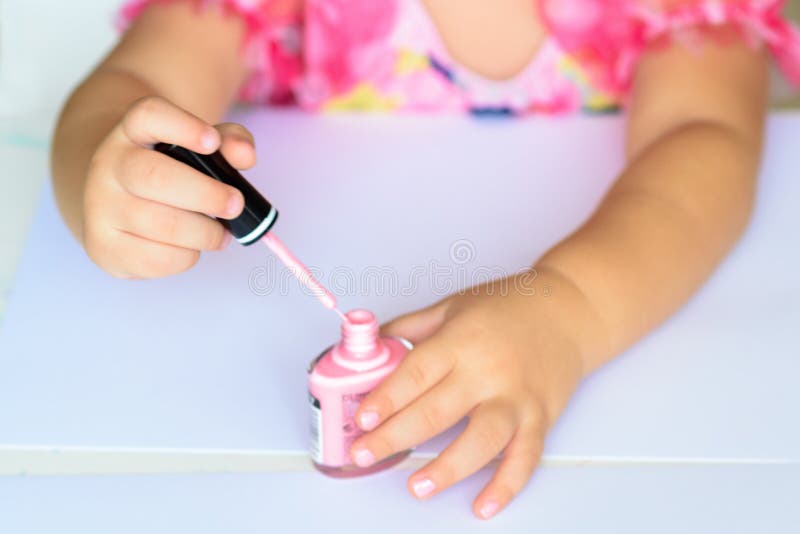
(386, 55)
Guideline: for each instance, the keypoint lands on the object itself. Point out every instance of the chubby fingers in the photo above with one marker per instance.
(144, 258)
(173, 226)
(421, 369)
(150, 175)
(154, 119)
(419, 325)
(491, 426)
(238, 145)
(154, 176)
(435, 411)
(520, 459)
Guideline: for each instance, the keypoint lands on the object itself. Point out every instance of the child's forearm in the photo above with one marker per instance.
(667, 222)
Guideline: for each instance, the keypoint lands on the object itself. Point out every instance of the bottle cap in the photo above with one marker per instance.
(258, 215)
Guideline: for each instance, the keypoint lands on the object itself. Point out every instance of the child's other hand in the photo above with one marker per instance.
(145, 214)
(510, 362)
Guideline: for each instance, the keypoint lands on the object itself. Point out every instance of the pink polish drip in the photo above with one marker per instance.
(301, 272)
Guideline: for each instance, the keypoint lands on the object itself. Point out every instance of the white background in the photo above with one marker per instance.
(46, 48)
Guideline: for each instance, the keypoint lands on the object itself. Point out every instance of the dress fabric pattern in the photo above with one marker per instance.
(386, 55)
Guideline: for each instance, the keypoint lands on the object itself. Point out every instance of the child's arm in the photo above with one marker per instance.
(511, 361)
(172, 75)
(694, 143)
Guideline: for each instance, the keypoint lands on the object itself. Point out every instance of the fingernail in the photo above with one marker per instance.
(234, 205)
(209, 141)
(226, 240)
(423, 487)
(489, 508)
(368, 420)
(364, 458)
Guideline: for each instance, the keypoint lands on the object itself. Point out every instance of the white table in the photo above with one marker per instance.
(708, 499)
(200, 368)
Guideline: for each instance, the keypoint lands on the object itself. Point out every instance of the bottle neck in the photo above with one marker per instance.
(360, 333)
(360, 348)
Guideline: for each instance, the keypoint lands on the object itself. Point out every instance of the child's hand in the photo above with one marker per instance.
(510, 362)
(145, 214)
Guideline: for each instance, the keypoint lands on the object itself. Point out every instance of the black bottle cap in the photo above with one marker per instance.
(258, 215)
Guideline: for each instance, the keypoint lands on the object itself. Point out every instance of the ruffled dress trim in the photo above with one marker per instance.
(272, 46)
(608, 37)
(386, 54)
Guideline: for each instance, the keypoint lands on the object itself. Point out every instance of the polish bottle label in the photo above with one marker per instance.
(316, 447)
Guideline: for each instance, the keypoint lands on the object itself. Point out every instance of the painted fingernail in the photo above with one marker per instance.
(209, 140)
(364, 458)
(423, 487)
(226, 240)
(234, 205)
(368, 420)
(489, 508)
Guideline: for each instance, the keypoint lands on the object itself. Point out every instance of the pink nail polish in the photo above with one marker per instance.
(364, 458)
(209, 141)
(489, 508)
(338, 380)
(368, 421)
(423, 487)
(234, 206)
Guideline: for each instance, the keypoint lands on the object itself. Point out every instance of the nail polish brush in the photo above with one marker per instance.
(257, 218)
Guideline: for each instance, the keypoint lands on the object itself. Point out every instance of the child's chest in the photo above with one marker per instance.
(496, 39)
(430, 55)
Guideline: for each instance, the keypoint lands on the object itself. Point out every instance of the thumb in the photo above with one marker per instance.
(419, 325)
(238, 145)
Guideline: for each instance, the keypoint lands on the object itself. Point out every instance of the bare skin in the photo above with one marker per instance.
(510, 362)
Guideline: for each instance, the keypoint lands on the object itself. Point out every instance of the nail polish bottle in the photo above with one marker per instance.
(338, 380)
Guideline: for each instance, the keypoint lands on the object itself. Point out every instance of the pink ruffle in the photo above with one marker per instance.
(276, 69)
(344, 40)
(608, 36)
